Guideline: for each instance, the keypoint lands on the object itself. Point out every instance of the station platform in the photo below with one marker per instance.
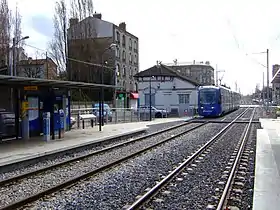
(267, 167)
(20, 150)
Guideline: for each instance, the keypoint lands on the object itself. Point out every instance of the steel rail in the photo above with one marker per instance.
(138, 203)
(72, 181)
(226, 190)
(46, 168)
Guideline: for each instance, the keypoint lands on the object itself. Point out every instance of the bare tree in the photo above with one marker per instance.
(5, 28)
(32, 72)
(58, 45)
(17, 28)
(79, 9)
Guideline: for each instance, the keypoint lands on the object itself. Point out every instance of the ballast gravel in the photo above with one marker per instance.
(198, 186)
(36, 183)
(20, 169)
(119, 186)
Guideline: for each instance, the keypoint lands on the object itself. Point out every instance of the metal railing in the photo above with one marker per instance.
(116, 115)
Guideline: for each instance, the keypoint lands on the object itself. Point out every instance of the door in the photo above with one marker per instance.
(184, 101)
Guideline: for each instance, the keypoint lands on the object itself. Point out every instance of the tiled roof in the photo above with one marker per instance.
(162, 70)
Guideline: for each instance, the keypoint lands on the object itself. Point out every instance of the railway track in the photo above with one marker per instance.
(41, 172)
(163, 135)
(151, 194)
(239, 164)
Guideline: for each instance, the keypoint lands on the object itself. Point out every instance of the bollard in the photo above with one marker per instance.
(83, 123)
(116, 116)
(91, 122)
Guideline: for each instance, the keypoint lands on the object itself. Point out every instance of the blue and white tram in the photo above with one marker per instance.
(215, 101)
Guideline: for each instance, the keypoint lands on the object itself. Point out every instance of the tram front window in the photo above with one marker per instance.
(208, 97)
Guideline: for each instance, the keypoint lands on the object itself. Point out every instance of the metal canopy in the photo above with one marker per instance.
(23, 81)
(276, 78)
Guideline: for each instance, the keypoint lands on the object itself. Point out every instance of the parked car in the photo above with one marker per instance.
(107, 114)
(158, 113)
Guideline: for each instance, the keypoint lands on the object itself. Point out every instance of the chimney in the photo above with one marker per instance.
(122, 26)
(73, 21)
(97, 15)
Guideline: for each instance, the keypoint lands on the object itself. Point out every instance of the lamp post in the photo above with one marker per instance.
(13, 72)
(101, 93)
(150, 98)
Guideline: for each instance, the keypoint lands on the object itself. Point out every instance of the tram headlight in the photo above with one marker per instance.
(212, 107)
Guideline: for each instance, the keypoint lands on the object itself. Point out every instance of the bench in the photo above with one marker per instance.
(90, 117)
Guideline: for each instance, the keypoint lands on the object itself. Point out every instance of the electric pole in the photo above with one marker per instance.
(267, 79)
(263, 90)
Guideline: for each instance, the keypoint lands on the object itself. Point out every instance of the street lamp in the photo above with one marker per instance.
(13, 72)
(101, 93)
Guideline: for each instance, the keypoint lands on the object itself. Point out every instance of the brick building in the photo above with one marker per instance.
(88, 41)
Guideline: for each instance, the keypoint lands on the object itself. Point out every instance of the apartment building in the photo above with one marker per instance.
(201, 72)
(89, 40)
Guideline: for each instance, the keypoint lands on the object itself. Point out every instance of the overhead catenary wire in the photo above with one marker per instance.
(238, 45)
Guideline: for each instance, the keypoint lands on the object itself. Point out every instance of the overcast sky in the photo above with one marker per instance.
(224, 32)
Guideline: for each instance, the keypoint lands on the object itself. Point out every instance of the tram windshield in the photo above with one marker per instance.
(208, 96)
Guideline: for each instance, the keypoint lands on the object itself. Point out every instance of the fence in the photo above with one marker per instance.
(84, 117)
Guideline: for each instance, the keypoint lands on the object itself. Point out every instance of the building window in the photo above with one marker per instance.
(135, 60)
(123, 40)
(184, 98)
(118, 37)
(123, 55)
(130, 43)
(117, 52)
(130, 58)
(124, 71)
(147, 100)
(118, 70)
(135, 46)
(135, 71)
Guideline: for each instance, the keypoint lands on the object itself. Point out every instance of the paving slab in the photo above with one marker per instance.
(267, 178)
(24, 150)
(12, 152)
